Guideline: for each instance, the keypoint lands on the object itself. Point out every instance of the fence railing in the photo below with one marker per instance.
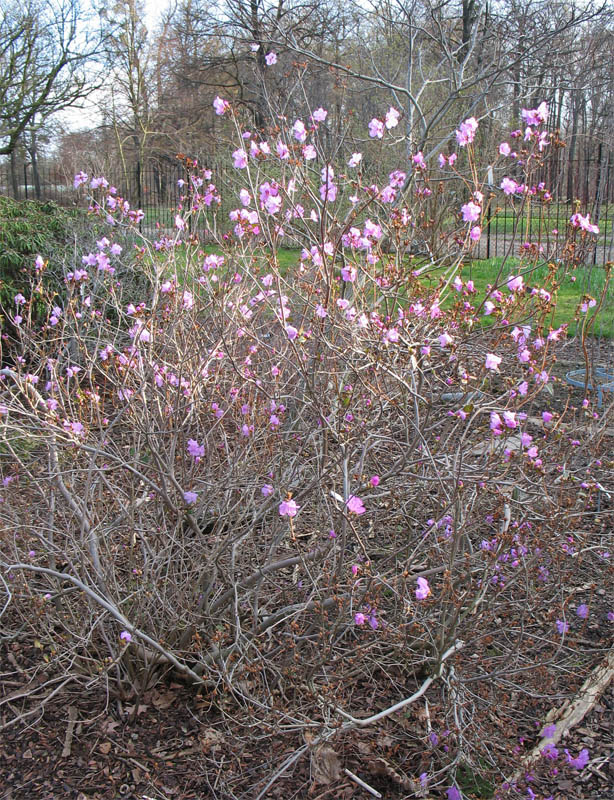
(156, 188)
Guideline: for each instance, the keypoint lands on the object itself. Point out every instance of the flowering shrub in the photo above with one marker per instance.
(232, 473)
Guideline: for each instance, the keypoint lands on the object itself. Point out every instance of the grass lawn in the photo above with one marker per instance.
(586, 280)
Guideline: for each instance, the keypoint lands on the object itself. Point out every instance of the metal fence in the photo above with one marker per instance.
(156, 189)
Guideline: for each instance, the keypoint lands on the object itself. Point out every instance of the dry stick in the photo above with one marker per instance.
(572, 712)
(360, 782)
(70, 728)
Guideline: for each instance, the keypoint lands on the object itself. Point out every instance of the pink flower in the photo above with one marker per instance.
(582, 611)
(562, 626)
(535, 116)
(392, 118)
(196, 450)
(348, 274)
(319, 115)
(515, 283)
(80, 179)
(355, 505)
(270, 58)
(374, 480)
(495, 423)
(299, 131)
(376, 129)
(445, 339)
(288, 508)
(355, 160)
(239, 159)
(492, 361)
(546, 416)
(419, 161)
(471, 212)
(466, 132)
(220, 106)
(423, 590)
(282, 150)
(267, 490)
(359, 618)
(580, 761)
(504, 149)
(125, 636)
(190, 497)
(509, 186)
(291, 332)
(475, 233)
(328, 192)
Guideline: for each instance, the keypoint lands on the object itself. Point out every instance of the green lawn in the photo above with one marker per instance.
(588, 280)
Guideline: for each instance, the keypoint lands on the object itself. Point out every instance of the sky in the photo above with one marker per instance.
(88, 115)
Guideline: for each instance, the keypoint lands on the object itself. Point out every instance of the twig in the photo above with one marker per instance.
(70, 728)
(360, 782)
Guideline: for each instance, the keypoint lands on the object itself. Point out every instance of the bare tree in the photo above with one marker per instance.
(44, 51)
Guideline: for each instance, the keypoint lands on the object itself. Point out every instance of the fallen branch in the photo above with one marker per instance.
(572, 712)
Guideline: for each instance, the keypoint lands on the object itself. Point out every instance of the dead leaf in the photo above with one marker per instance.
(163, 700)
(105, 748)
(133, 710)
(325, 765)
(211, 740)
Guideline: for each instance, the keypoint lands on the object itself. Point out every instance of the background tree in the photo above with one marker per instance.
(44, 51)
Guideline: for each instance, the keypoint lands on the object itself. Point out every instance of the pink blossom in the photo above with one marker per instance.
(328, 192)
(376, 129)
(509, 186)
(535, 116)
(445, 339)
(355, 160)
(291, 332)
(359, 618)
(466, 132)
(190, 497)
(348, 274)
(125, 636)
(355, 505)
(419, 161)
(319, 115)
(471, 212)
(288, 508)
(578, 221)
(80, 179)
(374, 480)
(475, 233)
(299, 131)
(392, 118)
(492, 361)
(423, 590)
(504, 149)
(270, 59)
(220, 106)
(239, 159)
(580, 761)
(546, 416)
(309, 152)
(515, 283)
(267, 490)
(282, 150)
(196, 450)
